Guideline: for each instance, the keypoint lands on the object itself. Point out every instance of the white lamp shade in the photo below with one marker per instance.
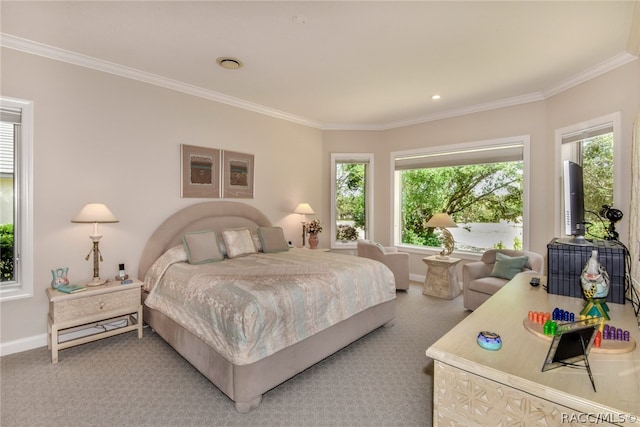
(441, 220)
(95, 212)
(304, 209)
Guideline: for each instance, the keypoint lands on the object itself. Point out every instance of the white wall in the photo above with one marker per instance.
(103, 138)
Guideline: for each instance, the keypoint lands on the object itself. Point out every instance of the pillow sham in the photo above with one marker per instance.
(238, 242)
(202, 247)
(507, 267)
(272, 239)
(256, 242)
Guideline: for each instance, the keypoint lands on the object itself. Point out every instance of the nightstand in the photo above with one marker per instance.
(442, 278)
(94, 308)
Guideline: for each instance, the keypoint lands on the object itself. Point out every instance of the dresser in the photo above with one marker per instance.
(473, 385)
(107, 310)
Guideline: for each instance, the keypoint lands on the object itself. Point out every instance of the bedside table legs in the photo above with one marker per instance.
(52, 341)
(139, 319)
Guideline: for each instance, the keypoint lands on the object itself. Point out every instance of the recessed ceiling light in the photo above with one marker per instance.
(435, 97)
(229, 63)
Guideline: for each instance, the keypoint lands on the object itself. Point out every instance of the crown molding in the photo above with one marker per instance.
(593, 72)
(471, 109)
(35, 48)
(29, 46)
(493, 105)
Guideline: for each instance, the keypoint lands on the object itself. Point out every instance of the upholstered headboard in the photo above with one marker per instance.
(218, 216)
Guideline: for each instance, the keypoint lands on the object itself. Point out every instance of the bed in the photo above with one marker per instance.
(244, 368)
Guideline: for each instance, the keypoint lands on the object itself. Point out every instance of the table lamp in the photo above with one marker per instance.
(95, 213)
(304, 209)
(442, 221)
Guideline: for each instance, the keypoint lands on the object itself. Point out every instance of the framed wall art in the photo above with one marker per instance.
(237, 175)
(200, 171)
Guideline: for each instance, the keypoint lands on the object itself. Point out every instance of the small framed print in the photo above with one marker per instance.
(237, 175)
(200, 171)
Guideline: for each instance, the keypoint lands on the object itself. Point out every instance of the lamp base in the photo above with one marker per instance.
(97, 282)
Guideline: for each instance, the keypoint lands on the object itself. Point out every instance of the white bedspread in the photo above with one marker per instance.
(251, 307)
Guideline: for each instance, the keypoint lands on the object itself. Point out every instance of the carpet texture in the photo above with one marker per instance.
(384, 379)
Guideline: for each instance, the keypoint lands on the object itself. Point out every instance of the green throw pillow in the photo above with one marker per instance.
(202, 247)
(272, 239)
(507, 267)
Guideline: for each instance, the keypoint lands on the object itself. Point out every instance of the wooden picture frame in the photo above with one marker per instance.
(200, 171)
(237, 175)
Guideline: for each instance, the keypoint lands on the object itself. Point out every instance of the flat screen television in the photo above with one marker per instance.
(574, 204)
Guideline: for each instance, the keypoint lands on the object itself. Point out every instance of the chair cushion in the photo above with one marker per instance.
(507, 267)
(487, 285)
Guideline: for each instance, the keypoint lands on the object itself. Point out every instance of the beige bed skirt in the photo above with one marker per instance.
(245, 384)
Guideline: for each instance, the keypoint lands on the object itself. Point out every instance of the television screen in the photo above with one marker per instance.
(574, 203)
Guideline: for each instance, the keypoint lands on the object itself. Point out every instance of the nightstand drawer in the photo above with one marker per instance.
(76, 308)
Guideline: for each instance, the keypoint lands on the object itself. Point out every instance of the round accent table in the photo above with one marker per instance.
(442, 277)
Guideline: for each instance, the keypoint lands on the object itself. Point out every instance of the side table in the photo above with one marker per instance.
(92, 308)
(442, 277)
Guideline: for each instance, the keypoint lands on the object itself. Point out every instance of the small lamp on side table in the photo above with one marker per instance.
(442, 221)
(95, 213)
(304, 209)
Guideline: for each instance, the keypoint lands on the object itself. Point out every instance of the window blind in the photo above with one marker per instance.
(471, 156)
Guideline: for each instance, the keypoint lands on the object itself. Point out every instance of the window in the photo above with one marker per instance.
(352, 198)
(16, 218)
(481, 185)
(591, 145)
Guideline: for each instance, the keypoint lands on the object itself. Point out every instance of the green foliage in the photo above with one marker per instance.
(470, 193)
(6, 251)
(597, 165)
(346, 232)
(517, 244)
(350, 193)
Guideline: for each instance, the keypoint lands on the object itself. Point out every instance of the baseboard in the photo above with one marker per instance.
(417, 277)
(23, 344)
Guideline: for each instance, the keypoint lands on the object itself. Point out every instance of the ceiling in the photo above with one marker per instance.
(339, 65)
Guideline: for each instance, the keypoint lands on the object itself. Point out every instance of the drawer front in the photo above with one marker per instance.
(94, 305)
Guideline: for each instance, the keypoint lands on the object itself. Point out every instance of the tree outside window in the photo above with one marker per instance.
(597, 168)
(351, 199)
(485, 200)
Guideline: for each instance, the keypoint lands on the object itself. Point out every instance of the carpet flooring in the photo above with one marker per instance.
(383, 379)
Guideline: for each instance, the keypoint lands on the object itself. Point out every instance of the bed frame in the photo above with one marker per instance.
(245, 384)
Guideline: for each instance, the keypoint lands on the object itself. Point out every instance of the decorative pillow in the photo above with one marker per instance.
(202, 247)
(256, 242)
(272, 239)
(507, 267)
(238, 242)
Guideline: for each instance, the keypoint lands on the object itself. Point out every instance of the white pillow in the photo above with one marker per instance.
(238, 242)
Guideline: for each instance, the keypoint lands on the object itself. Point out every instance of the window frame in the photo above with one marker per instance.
(353, 158)
(614, 120)
(441, 149)
(23, 197)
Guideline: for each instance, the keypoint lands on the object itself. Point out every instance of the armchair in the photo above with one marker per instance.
(479, 284)
(398, 262)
